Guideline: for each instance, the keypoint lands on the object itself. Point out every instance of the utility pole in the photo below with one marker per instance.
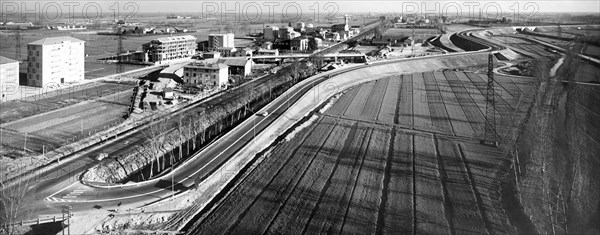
(412, 42)
(18, 46)
(119, 52)
(489, 137)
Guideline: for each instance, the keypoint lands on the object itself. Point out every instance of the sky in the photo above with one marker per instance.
(305, 8)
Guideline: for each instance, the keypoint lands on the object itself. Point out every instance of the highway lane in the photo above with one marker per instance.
(202, 166)
(210, 159)
(83, 198)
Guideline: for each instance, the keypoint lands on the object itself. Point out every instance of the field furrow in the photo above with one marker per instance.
(360, 100)
(465, 213)
(469, 107)
(459, 120)
(422, 115)
(503, 108)
(373, 105)
(332, 208)
(265, 208)
(399, 205)
(430, 210)
(387, 112)
(439, 115)
(224, 217)
(362, 213)
(342, 104)
(483, 163)
(297, 210)
(405, 102)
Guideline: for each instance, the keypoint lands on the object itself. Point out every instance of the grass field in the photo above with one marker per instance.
(396, 155)
(19, 109)
(30, 126)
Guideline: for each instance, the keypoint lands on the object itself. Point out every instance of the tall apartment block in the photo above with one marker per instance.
(170, 48)
(220, 40)
(54, 61)
(9, 74)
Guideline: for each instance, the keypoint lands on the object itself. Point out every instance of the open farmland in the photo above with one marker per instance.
(396, 155)
(50, 130)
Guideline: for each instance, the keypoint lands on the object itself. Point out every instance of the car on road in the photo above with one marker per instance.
(101, 156)
(263, 113)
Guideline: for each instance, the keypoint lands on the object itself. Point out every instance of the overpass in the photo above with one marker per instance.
(299, 56)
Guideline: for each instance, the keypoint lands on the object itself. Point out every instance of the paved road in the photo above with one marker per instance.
(63, 187)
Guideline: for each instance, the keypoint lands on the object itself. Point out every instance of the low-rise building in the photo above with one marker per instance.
(226, 51)
(267, 52)
(299, 44)
(244, 52)
(267, 45)
(9, 75)
(205, 73)
(211, 55)
(237, 66)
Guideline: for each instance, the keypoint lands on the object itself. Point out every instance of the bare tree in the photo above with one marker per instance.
(12, 199)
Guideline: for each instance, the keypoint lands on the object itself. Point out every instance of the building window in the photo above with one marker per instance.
(194, 74)
(37, 65)
(187, 74)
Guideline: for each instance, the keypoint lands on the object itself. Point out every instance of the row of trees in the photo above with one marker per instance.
(170, 140)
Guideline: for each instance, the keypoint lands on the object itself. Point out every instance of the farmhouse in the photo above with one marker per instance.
(205, 73)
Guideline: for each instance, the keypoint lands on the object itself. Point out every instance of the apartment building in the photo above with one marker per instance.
(167, 49)
(205, 73)
(271, 33)
(9, 74)
(54, 61)
(221, 40)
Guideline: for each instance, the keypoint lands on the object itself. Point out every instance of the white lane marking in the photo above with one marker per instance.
(63, 189)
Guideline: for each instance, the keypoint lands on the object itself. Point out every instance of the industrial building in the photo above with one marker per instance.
(9, 74)
(205, 73)
(164, 50)
(221, 40)
(55, 60)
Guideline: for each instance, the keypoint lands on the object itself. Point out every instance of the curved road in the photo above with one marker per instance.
(66, 189)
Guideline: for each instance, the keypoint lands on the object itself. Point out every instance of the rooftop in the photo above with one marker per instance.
(239, 61)
(55, 40)
(206, 65)
(4, 60)
(175, 38)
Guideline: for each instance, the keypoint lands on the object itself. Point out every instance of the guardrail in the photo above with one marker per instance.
(38, 221)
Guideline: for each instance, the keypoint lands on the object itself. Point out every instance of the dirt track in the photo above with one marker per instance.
(399, 154)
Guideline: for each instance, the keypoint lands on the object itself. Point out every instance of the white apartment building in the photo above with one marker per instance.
(9, 74)
(220, 40)
(55, 60)
(205, 73)
(170, 48)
